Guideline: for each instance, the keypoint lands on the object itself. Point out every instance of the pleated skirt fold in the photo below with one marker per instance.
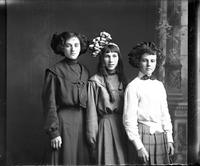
(112, 141)
(74, 150)
(155, 144)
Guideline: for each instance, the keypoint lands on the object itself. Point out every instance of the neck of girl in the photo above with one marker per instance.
(71, 61)
(111, 72)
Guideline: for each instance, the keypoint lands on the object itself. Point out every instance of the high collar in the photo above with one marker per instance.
(142, 75)
(71, 61)
(111, 72)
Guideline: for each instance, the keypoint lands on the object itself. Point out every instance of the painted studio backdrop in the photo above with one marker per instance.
(30, 25)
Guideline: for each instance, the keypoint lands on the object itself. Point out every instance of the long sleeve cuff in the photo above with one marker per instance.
(138, 143)
(54, 134)
(169, 137)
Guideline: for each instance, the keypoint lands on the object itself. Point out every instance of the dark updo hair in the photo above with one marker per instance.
(140, 49)
(58, 42)
(111, 47)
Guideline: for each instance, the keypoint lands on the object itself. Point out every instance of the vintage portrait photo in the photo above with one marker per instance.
(99, 82)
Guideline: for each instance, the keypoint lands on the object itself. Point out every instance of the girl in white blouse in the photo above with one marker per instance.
(146, 117)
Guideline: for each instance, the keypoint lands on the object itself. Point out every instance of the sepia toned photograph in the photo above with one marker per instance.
(99, 82)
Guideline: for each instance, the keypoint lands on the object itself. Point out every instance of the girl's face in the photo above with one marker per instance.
(148, 64)
(72, 48)
(111, 60)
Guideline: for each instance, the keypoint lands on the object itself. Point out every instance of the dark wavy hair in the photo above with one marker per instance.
(145, 47)
(119, 69)
(58, 42)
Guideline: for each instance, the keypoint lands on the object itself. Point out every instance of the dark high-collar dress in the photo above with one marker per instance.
(64, 100)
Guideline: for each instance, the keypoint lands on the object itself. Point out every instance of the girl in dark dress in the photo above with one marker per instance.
(105, 131)
(64, 100)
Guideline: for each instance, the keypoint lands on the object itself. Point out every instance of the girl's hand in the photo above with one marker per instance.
(93, 152)
(170, 148)
(56, 142)
(143, 155)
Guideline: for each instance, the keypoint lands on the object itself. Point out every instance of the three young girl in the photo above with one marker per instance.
(74, 105)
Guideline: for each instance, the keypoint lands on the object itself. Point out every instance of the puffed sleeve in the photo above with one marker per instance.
(91, 115)
(130, 117)
(51, 125)
(166, 120)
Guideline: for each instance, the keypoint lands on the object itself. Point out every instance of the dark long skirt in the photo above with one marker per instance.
(112, 141)
(74, 150)
(155, 144)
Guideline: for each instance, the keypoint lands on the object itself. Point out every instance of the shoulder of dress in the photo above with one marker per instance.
(97, 79)
(54, 69)
(50, 70)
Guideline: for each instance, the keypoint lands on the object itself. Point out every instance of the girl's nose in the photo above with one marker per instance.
(110, 59)
(148, 63)
(72, 48)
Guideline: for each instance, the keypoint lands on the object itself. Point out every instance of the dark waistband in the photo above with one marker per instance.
(111, 115)
(75, 108)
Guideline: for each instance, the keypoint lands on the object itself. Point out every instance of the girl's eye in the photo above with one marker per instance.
(153, 60)
(77, 45)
